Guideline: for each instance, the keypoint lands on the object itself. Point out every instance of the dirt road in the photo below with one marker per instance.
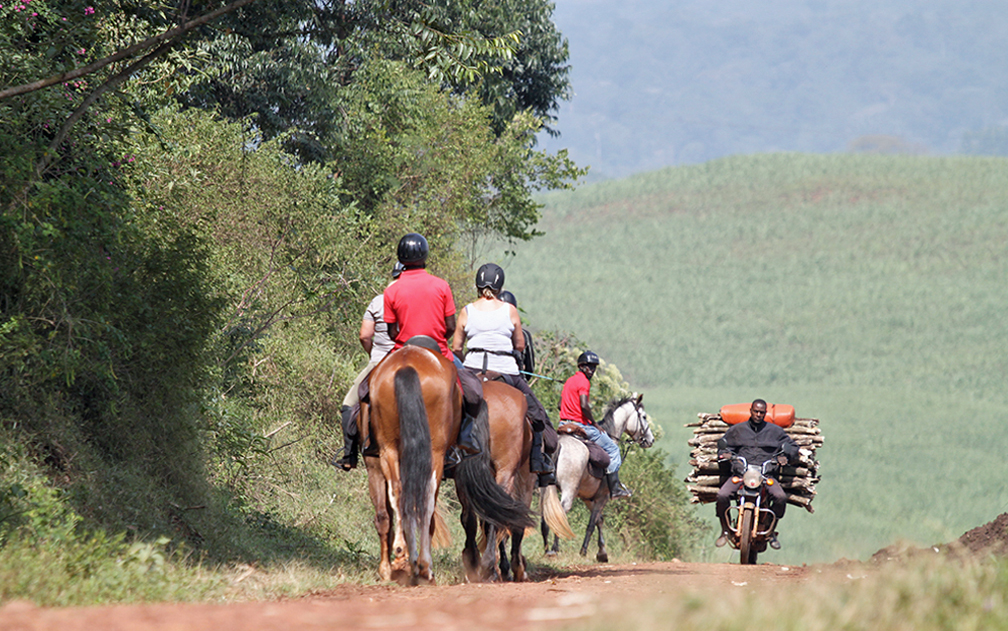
(577, 593)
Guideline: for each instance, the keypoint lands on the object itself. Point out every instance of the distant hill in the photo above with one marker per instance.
(658, 83)
(868, 291)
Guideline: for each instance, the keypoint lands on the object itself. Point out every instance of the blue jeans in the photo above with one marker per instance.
(610, 446)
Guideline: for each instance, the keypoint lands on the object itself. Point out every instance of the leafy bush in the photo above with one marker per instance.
(656, 522)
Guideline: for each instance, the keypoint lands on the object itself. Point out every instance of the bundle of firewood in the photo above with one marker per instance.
(798, 480)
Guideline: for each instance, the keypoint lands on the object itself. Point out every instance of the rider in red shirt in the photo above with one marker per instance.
(575, 407)
(422, 304)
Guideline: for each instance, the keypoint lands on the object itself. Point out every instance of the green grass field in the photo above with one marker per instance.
(868, 291)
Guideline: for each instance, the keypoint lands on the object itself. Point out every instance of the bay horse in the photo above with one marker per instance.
(622, 415)
(510, 441)
(414, 416)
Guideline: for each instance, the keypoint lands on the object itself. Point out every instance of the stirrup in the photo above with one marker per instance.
(620, 491)
(348, 460)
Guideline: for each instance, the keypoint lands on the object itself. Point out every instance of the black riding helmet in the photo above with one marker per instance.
(412, 250)
(588, 357)
(397, 269)
(508, 297)
(490, 275)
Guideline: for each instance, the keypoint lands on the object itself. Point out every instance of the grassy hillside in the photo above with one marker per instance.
(867, 291)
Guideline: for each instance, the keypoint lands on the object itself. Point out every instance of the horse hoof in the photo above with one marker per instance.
(551, 553)
(602, 557)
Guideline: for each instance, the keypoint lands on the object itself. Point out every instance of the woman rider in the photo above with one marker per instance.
(494, 333)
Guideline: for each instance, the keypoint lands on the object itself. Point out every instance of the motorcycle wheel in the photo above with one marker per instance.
(747, 555)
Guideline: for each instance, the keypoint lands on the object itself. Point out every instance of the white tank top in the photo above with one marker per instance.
(491, 331)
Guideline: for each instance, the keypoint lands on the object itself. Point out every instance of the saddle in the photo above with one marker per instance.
(598, 459)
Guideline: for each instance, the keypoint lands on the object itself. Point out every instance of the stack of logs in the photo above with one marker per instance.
(798, 481)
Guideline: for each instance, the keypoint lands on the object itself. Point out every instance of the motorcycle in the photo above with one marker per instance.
(751, 523)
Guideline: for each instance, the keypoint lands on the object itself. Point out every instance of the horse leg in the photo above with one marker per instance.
(518, 565)
(382, 521)
(592, 520)
(470, 552)
(402, 571)
(488, 562)
(423, 570)
(602, 556)
(503, 564)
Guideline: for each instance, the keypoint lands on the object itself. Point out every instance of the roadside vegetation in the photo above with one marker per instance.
(924, 593)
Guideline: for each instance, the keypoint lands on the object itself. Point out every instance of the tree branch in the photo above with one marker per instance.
(61, 135)
(124, 53)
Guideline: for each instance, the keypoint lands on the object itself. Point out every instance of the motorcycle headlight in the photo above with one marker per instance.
(751, 479)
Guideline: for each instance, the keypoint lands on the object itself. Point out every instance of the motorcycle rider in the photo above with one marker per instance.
(576, 408)
(496, 340)
(757, 441)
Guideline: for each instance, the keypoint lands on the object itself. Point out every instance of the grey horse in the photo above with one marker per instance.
(625, 415)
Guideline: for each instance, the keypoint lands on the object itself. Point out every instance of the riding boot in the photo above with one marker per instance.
(466, 441)
(539, 461)
(616, 488)
(351, 442)
(465, 437)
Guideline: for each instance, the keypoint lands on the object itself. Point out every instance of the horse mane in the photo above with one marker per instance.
(608, 423)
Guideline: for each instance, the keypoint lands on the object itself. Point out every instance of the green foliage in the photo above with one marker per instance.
(48, 555)
(656, 522)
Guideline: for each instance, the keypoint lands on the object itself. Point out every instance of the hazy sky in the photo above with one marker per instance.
(658, 83)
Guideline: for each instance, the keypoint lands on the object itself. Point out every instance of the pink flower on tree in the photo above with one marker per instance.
(89, 11)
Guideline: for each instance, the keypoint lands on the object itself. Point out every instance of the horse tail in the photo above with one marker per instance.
(475, 480)
(554, 514)
(415, 464)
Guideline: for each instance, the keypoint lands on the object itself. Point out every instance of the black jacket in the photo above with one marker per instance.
(757, 446)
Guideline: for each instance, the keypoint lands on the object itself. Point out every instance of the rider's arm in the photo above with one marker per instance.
(449, 325)
(367, 330)
(459, 337)
(790, 449)
(586, 412)
(517, 336)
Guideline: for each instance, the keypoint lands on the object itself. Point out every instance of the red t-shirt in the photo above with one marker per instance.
(419, 303)
(570, 398)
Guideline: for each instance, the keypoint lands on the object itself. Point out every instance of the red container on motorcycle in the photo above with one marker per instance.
(777, 413)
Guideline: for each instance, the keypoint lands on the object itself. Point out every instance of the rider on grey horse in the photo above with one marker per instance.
(575, 407)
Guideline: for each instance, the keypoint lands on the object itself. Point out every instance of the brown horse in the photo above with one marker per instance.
(415, 414)
(509, 441)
